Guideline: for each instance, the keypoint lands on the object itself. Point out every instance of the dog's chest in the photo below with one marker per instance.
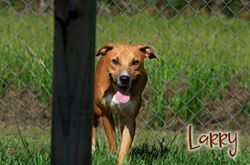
(110, 102)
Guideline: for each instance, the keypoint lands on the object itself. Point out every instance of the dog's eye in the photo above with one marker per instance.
(135, 62)
(115, 61)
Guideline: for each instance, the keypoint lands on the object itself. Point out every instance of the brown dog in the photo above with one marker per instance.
(119, 82)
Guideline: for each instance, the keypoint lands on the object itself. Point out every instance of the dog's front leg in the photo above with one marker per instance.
(109, 128)
(128, 133)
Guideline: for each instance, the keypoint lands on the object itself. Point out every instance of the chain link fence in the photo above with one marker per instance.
(202, 76)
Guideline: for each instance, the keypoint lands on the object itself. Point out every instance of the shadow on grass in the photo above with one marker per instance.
(151, 151)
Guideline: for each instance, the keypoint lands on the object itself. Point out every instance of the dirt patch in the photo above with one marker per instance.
(21, 106)
(227, 111)
(224, 113)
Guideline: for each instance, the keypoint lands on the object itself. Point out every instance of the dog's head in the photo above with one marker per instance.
(125, 64)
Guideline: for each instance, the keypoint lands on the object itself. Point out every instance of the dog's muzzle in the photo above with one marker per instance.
(124, 83)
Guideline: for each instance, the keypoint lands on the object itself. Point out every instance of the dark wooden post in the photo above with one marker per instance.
(74, 47)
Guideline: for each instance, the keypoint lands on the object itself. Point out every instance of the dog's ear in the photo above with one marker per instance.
(104, 49)
(148, 52)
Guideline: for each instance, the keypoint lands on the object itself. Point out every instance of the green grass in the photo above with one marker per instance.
(32, 147)
(156, 154)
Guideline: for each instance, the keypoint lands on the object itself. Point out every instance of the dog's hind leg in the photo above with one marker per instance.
(94, 128)
(121, 124)
(96, 115)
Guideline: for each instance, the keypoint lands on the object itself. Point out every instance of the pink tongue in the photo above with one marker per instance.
(122, 98)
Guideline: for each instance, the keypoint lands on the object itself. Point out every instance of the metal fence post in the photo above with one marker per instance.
(74, 47)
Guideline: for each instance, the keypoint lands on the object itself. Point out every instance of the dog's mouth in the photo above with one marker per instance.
(123, 92)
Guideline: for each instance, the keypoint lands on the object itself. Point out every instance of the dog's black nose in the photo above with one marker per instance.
(124, 79)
